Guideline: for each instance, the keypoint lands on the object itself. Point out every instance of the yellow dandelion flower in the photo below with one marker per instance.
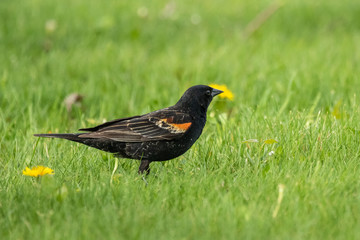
(226, 94)
(37, 171)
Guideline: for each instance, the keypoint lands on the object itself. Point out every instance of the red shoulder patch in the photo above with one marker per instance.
(181, 126)
(175, 127)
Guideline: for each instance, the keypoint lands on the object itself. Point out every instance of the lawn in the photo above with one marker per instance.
(293, 67)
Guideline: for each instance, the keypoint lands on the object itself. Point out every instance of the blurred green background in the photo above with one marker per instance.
(121, 53)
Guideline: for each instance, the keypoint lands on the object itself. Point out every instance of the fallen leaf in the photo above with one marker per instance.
(270, 141)
(70, 100)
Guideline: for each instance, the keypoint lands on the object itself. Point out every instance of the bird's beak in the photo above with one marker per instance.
(216, 92)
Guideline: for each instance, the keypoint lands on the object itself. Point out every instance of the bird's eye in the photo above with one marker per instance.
(208, 92)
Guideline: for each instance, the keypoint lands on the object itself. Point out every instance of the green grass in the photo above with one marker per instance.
(296, 80)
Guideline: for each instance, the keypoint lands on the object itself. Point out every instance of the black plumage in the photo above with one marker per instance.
(157, 136)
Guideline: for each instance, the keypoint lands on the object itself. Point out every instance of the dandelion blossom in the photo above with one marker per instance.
(227, 94)
(37, 171)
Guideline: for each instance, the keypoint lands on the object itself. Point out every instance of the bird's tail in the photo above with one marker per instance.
(69, 136)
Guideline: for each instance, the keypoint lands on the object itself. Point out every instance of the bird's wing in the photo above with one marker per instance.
(159, 125)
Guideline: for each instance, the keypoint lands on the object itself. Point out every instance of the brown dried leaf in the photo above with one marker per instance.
(70, 100)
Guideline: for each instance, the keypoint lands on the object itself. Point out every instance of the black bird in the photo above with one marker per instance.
(157, 136)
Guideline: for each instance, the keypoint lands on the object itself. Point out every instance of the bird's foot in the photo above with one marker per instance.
(144, 167)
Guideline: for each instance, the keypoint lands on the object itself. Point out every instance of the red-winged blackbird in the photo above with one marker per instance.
(157, 136)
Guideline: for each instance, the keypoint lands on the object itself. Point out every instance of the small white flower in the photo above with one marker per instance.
(271, 153)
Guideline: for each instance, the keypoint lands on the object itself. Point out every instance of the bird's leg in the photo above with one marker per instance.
(144, 167)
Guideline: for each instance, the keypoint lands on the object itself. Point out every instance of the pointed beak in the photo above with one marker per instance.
(216, 92)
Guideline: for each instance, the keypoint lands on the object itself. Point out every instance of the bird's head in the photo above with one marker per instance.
(198, 98)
